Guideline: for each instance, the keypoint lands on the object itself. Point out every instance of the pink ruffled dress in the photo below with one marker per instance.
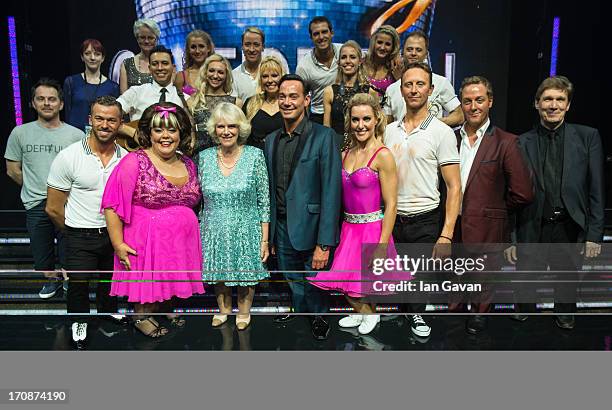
(160, 224)
(363, 221)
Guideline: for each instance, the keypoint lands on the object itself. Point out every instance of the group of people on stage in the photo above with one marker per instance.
(218, 169)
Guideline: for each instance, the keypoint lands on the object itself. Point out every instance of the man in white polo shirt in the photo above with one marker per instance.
(245, 75)
(75, 187)
(320, 66)
(423, 146)
(442, 103)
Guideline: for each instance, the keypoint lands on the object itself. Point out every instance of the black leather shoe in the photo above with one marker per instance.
(320, 328)
(567, 322)
(281, 319)
(476, 324)
(519, 318)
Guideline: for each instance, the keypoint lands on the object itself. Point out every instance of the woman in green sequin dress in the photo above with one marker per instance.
(235, 214)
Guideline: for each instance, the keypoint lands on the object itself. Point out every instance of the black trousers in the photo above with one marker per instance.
(89, 250)
(424, 228)
(556, 257)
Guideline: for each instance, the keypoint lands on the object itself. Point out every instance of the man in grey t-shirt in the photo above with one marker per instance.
(30, 150)
(319, 67)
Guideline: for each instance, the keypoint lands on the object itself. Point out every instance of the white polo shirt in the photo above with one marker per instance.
(318, 76)
(442, 99)
(418, 155)
(138, 98)
(244, 83)
(78, 171)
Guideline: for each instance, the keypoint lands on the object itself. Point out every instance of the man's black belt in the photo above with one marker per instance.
(97, 231)
(417, 217)
(557, 215)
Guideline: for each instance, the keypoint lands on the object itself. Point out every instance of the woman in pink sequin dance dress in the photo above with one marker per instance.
(148, 203)
(368, 176)
(383, 63)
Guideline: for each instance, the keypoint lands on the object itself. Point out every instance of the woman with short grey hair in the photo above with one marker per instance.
(135, 70)
(235, 215)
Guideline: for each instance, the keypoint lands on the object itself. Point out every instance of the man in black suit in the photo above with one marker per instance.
(304, 169)
(567, 163)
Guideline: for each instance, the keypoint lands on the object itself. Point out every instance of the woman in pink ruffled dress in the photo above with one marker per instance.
(148, 203)
(369, 178)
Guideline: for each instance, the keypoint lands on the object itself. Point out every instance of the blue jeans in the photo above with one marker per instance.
(305, 297)
(42, 238)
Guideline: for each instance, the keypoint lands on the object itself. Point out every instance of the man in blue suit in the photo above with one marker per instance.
(304, 168)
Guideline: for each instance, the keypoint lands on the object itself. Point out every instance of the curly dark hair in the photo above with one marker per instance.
(151, 117)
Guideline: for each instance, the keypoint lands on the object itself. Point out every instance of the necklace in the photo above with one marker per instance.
(223, 164)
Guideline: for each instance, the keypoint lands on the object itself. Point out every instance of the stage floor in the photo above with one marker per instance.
(592, 332)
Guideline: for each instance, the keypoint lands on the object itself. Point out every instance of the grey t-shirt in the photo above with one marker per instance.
(36, 147)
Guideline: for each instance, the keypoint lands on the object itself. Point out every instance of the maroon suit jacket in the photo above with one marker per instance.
(499, 182)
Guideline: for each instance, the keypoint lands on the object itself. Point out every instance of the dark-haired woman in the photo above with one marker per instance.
(81, 89)
(148, 203)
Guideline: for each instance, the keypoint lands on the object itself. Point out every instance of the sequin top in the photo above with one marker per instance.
(154, 191)
(342, 96)
(135, 77)
(234, 207)
(381, 84)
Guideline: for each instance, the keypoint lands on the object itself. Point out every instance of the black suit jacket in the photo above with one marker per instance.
(313, 197)
(582, 184)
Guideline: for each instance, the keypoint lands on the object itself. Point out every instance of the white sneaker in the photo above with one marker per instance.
(419, 327)
(368, 323)
(79, 331)
(350, 321)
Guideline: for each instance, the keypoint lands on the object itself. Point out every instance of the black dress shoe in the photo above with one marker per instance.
(476, 324)
(565, 322)
(320, 328)
(281, 319)
(519, 318)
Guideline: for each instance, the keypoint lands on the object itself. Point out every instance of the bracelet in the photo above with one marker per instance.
(445, 237)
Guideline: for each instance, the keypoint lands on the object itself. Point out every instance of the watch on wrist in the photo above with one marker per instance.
(324, 248)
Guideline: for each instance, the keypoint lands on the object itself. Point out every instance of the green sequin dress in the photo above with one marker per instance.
(234, 207)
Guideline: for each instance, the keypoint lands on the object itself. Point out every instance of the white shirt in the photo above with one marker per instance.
(442, 98)
(138, 98)
(78, 171)
(244, 83)
(467, 152)
(318, 76)
(418, 155)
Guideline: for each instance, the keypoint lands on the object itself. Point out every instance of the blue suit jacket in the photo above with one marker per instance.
(313, 196)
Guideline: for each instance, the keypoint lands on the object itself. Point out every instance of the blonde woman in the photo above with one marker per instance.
(262, 108)
(369, 179)
(214, 86)
(198, 47)
(235, 216)
(382, 63)
(350, 80)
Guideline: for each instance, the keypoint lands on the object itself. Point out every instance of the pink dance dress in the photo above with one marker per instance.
(363, 221)
(382, 84)
(160, 224)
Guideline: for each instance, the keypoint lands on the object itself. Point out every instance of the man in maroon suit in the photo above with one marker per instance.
(495, 181)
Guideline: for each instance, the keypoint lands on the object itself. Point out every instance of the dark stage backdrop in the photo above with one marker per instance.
(507, 41)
